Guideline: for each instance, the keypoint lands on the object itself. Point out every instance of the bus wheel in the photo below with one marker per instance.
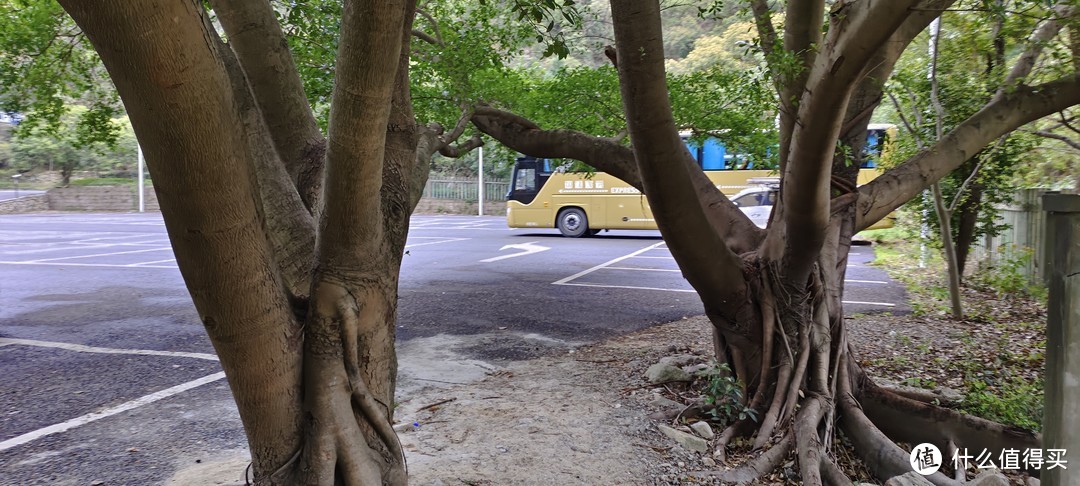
(572, 222)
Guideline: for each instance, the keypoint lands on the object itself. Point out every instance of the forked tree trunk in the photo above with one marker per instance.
(299, 302)
(777, 309)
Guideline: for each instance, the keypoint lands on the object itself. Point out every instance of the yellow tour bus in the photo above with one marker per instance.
(583, 204)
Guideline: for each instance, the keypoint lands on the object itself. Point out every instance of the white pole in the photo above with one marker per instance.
(142, 188)
(924, 230)
(480, 192)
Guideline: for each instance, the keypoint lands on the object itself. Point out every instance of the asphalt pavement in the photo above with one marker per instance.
(108, 375)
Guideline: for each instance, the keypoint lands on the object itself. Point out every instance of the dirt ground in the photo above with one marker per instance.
(582, 414)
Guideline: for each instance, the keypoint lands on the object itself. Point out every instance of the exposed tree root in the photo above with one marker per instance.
(907, 420)
(924, 396)
(831, 473)
(877, 451)
(755, 468)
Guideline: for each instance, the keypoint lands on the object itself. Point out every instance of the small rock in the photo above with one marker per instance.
(1032, 481)
(702, 429)
(949, 395)
(659, 401)
(663, 373)
(910, 479)
(680, 359)
(687, 441)
(708, 462)
(990, 477)
(665, 415)
(700, 369)
(97, 483)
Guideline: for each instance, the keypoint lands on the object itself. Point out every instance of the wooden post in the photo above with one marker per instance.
(1061, 416)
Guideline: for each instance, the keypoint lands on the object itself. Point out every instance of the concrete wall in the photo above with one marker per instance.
(25, 204)
(99, 198)
(124, 198)
(455, 206)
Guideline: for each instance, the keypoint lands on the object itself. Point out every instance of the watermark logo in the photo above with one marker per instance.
(925, 459)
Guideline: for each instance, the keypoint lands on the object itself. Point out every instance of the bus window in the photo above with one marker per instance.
(525, 180)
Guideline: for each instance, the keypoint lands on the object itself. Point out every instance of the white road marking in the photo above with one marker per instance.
(441, 240)
(527, 248)
(95, 416)
(68, 264)
(624, 287)
(100, 255)
(644, 269)
(170, 260)
(602, 265)
(94, 349)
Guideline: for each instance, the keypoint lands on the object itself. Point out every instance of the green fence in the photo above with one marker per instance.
(466, 189)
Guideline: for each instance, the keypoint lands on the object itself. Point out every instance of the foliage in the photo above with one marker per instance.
(68, 149)
(1015, 402)
(972, 40)
(45, 64)
(1007, 275)
(724, 396)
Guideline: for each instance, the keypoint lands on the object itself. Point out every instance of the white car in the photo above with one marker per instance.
(757, 202)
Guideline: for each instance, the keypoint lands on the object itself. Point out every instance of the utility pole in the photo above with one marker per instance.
(142, 188)
(480, 188)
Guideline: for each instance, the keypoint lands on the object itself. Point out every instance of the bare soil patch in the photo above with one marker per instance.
(582, 414)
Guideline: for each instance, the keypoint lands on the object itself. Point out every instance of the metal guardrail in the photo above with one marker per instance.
(466, 189)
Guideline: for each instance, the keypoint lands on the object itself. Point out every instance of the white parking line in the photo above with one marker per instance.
(94, 349)
(42, 260)
(95, 416)
(602, 265)
(140, 264)
(606, 286)
(68, 264)
(644, 269)
(441, 240)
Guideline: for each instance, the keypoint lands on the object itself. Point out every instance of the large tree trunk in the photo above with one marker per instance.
(777, 310)
(299, 303)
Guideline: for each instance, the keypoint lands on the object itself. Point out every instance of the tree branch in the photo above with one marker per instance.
(368, 58)
(609, 155)
(1051, 135)
(1046, 31)
(437, 38)
(1003, 114)
(665, 165)
(259, 43)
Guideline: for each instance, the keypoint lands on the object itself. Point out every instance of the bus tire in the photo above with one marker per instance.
(572, 223)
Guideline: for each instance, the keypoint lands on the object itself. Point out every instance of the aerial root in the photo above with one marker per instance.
(831, 473)
(373, 413)
(807, 441)
(755, 468)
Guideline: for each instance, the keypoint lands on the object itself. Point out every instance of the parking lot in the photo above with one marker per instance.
(109, 376)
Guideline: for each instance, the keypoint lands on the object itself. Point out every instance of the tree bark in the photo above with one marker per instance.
(182, 105)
